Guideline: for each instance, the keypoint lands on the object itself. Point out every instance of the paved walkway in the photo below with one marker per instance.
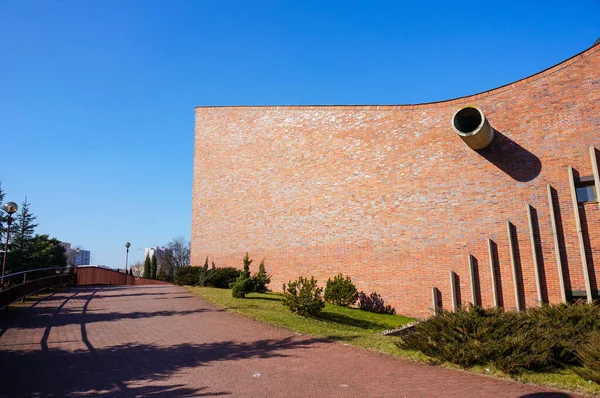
(163, 341)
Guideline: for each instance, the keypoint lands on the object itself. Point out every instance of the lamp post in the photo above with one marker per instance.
(127, 245)
(10, 208)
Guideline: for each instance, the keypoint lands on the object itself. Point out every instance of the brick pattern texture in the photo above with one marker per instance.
(160, 341)
(391, 196)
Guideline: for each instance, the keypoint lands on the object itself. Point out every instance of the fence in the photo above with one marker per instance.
(104, 276)
(60, 276)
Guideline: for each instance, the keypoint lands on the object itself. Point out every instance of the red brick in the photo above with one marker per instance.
(391, 196)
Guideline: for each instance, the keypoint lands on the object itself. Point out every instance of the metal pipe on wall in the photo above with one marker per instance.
(472, 127)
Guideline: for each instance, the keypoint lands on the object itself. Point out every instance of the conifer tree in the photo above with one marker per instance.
(22, 244)
(246, 272)
(153, 267)
(23, 228)
(3, 216)
(146, 273)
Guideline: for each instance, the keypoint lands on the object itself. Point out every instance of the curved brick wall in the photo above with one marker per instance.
(391, 196)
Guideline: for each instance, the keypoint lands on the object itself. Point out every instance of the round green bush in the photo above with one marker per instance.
(341, 291)
(303, 296)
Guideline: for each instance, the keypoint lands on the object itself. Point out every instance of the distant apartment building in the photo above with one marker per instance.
(156, 250)
(83, 257)
(76, 256)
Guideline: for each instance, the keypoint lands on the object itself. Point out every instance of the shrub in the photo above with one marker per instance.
(453, 337)
(205, 274)
(374, 303)
(261, 279)
(223, 277)
(187, 276)
(341, 291)
(589, 355)
(243, 284)
(538, 339)
(241, 287)
(567, 327)
(303, 296)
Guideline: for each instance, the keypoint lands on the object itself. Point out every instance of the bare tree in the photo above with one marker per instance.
(137, 268)
(180, 248)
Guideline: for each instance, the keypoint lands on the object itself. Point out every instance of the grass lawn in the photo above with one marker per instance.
(362, 329)
(347, 325)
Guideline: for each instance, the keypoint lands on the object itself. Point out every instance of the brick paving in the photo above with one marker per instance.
(163, 341)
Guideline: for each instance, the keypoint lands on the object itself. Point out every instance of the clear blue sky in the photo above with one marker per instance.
(97, 97)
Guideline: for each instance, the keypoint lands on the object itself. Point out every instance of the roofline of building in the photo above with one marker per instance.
(548, 71)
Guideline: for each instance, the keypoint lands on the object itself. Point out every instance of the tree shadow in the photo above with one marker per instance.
(510, 157)
(40, 317)
(264, 298)
(346, 320)
(57, 372)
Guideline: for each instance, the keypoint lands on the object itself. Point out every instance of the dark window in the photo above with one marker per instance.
(586, 190)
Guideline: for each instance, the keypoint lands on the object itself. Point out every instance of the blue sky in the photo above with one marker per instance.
(97, 97)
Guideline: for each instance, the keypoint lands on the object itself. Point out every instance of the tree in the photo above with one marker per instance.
(246, 270)
(23, 228)
(166, 264)
(42, 252)
(153, 267)
(163, 274)
(261, 279)
(147, 267)
(180, 249)
(243, 284)
(137, 268)
(21, 240)
(3, 217)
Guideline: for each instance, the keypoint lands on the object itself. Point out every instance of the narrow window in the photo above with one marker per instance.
(586, 190)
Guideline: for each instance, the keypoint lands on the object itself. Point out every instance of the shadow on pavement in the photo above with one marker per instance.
(57, 372)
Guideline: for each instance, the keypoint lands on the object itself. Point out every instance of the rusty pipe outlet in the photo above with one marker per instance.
(472, 127)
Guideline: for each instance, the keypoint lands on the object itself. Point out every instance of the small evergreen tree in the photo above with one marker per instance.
(22, 240)
(261, 279)
(243, 284)
(303, 296)
(153, 267)
(341, 291)
(147, 267)
(246, 269)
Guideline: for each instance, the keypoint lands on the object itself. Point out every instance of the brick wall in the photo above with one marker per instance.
(391, 196)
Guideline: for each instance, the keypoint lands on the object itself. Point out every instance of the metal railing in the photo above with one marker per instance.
(12, 292)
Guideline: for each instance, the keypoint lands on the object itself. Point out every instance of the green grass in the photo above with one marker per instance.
(347, 325)
(362, 329)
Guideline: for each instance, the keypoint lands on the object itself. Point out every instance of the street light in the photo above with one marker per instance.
(127, 245)
(10, 208)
